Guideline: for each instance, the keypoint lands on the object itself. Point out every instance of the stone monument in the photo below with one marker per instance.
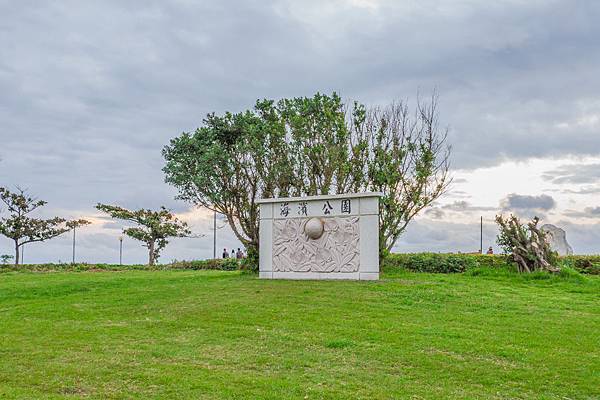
(557, 238)
(320, 237)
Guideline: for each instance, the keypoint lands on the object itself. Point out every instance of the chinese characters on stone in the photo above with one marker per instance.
(346, 206)
(326, 208)
(302, 209)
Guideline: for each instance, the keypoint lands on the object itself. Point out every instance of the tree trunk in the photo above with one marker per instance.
(246, 242)
(16, 254)
(151, 253)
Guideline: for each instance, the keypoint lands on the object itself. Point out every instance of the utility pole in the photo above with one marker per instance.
(214, 234)
(120, 250)
(481, 235)
(73, 262)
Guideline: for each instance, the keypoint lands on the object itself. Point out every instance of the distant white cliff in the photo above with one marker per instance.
(557, 238)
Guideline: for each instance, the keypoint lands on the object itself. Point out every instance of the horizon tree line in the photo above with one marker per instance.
(153, 228)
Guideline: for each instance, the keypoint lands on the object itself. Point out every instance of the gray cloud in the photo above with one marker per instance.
(460, 207)
(588, 212)
(435, 213)
(577, 173)
(583, 190)
(445, 236)
(526, 206)
(113, 225)
(458, 194)
(465, 206)
(518, 202)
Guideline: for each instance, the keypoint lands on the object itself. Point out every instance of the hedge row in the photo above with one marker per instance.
(584, 264)
(228, 264)
(417, 262)
(443, 263)
(449, 263)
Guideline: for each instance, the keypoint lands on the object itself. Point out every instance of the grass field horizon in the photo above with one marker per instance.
(215, 334)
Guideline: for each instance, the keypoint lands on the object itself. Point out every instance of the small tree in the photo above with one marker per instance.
(23, 229)
(5, 258)
(405, 157)
(154, 227)
(526, 244)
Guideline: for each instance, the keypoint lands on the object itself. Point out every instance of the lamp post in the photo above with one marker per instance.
(73, 261)
(120, 250)
(214, 234)
(481, 235)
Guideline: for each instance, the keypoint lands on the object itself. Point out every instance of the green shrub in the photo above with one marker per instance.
(250, 263)
(585, 264)
(228, 264)
(442, 263)
(479, 263)
(475, 264)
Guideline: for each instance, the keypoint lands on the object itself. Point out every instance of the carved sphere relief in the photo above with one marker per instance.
(314, 228)
(336, 250)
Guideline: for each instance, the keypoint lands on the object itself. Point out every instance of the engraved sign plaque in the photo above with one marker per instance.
(320, 237)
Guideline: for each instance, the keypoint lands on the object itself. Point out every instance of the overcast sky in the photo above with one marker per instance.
(90, 92)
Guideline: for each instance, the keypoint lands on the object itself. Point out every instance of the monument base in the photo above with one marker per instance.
(356, 276)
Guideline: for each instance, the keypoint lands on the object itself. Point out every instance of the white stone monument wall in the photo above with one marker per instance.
(320, 237)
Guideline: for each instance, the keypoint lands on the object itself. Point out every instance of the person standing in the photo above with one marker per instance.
(225, 253)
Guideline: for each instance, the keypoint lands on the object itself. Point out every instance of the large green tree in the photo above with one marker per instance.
(21, 228)
(154, 227)
(229, 163)
(309, 146)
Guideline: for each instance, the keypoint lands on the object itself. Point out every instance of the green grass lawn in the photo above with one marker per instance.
(226, 335)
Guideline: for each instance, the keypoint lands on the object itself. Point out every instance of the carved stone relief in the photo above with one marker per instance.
(336, 250)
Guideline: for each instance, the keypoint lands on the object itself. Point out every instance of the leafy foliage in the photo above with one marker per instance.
(5, 258)
(586, 264)
(222, 264)
(444, 263)
(310, 146)
(228, 264)
(155, 227)
(227, 165)
(407, 160)
(23, 229)
(526, 244)
(474, 264)
(451, 263)
(250, 262)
